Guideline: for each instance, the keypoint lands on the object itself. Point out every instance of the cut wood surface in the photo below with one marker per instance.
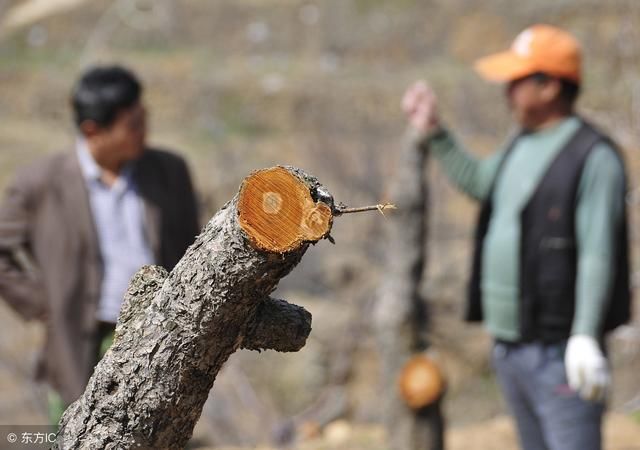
(278, 213)
(420, 382)
(176, 330)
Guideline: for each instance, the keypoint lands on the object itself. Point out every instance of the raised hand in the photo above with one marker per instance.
(419, 103)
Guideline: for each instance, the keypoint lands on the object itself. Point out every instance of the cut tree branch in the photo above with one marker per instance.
(278, 325)
(177, 329)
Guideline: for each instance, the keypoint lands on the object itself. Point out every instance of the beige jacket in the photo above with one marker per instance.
(50, 263)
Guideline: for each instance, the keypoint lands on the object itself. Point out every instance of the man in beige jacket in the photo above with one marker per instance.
(75, 226)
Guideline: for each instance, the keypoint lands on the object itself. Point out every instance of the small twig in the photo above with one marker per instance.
(340, 210)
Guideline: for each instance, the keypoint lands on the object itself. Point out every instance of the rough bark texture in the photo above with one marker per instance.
(177, 329)
(400, 317)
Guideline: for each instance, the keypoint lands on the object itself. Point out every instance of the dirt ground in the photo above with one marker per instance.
(621, 433)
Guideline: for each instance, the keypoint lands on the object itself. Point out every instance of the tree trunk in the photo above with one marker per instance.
(176, 330)
(400, 316)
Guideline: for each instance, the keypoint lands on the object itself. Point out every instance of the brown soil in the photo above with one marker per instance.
(621, 433)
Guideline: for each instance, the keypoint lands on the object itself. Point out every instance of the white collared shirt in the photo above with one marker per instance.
(118, 214)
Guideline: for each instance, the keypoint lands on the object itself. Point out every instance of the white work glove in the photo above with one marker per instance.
(587, 368)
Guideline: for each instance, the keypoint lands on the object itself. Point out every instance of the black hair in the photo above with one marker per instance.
(569, 89)
(101, 92)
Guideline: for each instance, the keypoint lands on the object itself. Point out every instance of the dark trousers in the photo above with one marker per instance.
(104, 338)
(548, 414)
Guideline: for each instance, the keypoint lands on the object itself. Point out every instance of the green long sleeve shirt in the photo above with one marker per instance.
(599, 211)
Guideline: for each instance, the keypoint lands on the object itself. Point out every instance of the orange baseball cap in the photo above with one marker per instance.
(539, 48)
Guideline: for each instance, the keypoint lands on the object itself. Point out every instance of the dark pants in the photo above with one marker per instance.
(104, 339)
(548, 414)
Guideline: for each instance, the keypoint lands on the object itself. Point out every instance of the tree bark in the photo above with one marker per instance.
(176, 330)
(400, 316)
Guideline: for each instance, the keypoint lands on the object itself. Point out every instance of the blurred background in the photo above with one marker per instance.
(236, 85)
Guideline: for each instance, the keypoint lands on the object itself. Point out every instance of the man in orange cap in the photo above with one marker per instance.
(550, 272)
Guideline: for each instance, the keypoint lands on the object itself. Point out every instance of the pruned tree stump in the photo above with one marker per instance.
(176, 330)
(400, 316)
